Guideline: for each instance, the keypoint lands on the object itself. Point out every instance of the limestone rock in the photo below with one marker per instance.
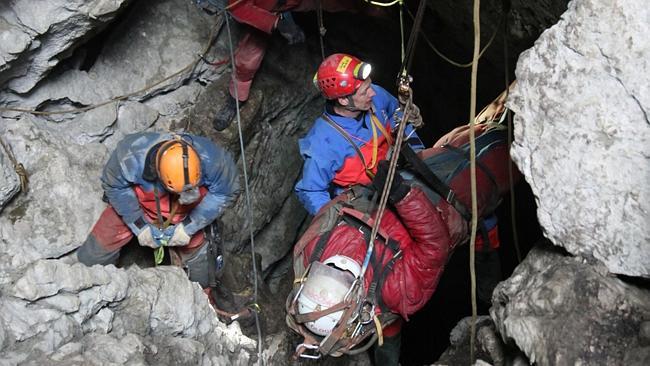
(562, 311)
(582, 132)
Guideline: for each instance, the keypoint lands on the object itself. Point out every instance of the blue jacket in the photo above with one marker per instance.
(125, 168)
(324, 150)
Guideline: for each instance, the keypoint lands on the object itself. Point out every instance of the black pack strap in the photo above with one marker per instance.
(433, 181)
(485, 235)
(319, 248)
(388, 268)
(346, 135)
(465, 154)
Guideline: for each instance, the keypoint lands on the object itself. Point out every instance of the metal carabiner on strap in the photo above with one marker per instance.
(302, 347)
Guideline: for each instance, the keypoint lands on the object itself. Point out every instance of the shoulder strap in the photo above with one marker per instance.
(346, 135)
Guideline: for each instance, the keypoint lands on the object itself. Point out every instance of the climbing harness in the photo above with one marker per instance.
(376, 125)
(18, 167)
(363, 313)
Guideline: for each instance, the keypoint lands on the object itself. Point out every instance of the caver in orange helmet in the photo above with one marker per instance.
(178, 165)
(340, 75)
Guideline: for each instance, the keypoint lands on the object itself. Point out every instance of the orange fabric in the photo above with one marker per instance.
(353, 170)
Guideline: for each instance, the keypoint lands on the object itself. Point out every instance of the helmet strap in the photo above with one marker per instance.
(351, 106)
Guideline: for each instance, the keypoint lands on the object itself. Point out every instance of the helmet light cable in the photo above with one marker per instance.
(249, 209)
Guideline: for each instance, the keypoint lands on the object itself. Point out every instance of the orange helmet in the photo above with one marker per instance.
(340, 75)
(178, 165)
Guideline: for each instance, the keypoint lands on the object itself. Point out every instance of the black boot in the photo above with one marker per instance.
(226, 114)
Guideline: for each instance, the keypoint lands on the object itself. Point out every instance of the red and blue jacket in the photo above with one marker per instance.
(331, 163)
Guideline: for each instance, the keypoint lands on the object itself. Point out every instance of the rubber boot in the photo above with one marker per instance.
(225, 115)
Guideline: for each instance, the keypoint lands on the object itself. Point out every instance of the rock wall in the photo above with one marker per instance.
(562, 311)
(582, 132)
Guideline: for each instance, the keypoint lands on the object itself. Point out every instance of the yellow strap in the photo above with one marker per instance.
(380, 334)
(375, 124)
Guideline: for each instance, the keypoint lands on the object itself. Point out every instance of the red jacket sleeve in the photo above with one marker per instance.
(424, 254)
(256, 13)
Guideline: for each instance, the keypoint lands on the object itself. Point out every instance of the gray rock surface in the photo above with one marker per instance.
(73, 314)
(560, 310)
(57, 213)
(582, 132)
(9, 180)
(34, 39)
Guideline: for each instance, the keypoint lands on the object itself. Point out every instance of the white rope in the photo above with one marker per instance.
(249, 210)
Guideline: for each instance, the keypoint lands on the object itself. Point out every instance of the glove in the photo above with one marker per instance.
(150, 237)
(289, 29)
(177, 235)
(398, 189)
(414, 117)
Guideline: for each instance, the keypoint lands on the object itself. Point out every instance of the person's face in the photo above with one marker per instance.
(362, 98)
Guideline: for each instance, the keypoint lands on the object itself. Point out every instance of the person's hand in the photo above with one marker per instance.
(414, 117)
(289, 29)
(398, 189)
(150, 236)
(177, 236)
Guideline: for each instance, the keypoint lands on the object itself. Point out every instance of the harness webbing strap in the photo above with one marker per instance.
(375, 124)
(434, 182)
(319, 248)
(467, 157)
(314, 315)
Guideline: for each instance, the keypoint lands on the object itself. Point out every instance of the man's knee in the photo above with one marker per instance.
(197, 266)
(91, 252)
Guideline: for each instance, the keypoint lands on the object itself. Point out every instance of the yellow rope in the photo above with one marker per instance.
(472, 149)
(454, 63)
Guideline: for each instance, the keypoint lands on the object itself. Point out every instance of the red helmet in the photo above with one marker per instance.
(340, 75)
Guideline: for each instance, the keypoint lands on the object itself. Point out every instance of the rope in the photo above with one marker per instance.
(392, 168)
(249, 210)
(513, 209)
(213, 34)
(378, 3)
(18, 167)
(415, 31)
(321, 28)
(472, 152)
(454, 63)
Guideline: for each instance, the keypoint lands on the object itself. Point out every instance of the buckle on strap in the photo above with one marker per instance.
(450, 196)
(302, 348)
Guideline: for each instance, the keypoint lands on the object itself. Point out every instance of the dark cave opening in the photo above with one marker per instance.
(442, 91)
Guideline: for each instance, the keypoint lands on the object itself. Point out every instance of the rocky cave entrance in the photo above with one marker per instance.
(441, 90)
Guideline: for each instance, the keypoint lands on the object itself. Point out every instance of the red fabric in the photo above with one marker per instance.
(393, 329)
(112, 233)
(353, 170)
(425, 251)
(261, 16)
(493, 236)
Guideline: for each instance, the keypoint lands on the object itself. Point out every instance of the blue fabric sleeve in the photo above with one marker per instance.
(318, 172)
(221, 178)
(117, 183)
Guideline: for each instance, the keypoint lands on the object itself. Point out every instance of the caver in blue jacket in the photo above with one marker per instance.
(126, 169)
(332, 163)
